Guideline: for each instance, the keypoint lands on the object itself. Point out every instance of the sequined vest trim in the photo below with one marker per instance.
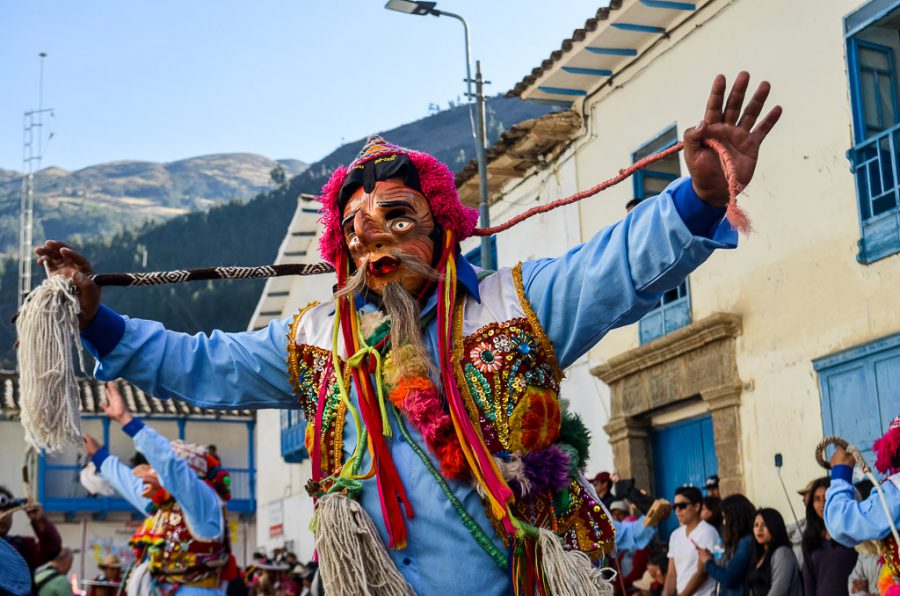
(509, 378)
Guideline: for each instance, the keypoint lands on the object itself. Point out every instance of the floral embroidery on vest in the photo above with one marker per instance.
(510, 381)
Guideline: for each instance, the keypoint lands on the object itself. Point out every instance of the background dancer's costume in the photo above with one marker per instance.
(850, 521)
(450, 511)
(183, 543)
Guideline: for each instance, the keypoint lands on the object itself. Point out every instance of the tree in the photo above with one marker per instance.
(279, 178)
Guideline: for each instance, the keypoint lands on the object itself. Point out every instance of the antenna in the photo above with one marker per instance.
(32, 153)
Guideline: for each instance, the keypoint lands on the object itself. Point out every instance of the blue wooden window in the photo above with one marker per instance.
(474, 255)
(684, 453)
(672, 312)
(651, 181)
(872, 69)
(860, 391)
(293, 437)
(674, 308)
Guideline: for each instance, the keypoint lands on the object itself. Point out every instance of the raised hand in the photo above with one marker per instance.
(736, 131)
(114, 406)
(841, 457)
(62, 260)
(91, 445)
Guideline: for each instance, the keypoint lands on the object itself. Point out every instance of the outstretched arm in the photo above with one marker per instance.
(632, 535)
(850, 521)
(117, 474)
(219, 370)
(199, 502)
(617, 276)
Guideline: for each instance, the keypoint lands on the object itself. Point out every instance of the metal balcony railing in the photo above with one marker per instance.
(876, 168)
(60, 490)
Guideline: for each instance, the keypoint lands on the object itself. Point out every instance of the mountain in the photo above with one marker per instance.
(447, 135)
(238, 233)
(110, 197)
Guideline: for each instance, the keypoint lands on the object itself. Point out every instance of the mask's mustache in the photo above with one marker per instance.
(356, 283)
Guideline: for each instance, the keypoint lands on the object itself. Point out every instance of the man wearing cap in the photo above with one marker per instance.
(603, 483)
(712, 486)
(183, 544)
(431, 387)
(107, 581)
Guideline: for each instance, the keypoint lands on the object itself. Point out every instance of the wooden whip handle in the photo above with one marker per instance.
(820, 449)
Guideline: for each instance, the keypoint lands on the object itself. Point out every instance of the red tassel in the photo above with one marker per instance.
(390, 488)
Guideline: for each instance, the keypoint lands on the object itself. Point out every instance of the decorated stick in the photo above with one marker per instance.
(156, 278)
(734, 214)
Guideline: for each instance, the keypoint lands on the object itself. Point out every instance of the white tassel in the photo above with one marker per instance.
(47, 327)
(570, 572)
(352, 559)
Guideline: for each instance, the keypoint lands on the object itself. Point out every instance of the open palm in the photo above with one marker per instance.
(738, 132)
(115, 407)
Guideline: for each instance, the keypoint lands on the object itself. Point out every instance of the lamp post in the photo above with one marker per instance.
(428, 8)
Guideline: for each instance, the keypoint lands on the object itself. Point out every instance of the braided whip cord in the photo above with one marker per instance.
(733, 213)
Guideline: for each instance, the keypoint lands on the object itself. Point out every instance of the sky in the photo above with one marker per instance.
(164, 80)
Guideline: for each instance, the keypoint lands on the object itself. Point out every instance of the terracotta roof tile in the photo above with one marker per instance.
(92, 392)
(567, 45)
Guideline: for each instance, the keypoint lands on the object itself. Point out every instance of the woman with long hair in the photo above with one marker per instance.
(775, 571)
(737, 522)
(827, 564)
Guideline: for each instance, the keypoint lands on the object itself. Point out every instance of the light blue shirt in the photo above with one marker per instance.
(609, 281)
(200, 504)
(632, 535)
(850, 521)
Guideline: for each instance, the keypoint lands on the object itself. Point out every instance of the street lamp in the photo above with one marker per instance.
(420, 8)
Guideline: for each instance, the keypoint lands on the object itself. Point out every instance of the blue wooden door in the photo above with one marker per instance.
(861, 393)
(683, 453)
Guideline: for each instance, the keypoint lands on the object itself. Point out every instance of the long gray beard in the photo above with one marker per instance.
(400, 306)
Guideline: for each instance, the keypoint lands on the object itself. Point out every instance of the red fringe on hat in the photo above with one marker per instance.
(438, 186)
(885, 448)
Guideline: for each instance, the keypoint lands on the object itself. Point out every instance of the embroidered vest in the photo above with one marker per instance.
(176, 556)
(507, 372)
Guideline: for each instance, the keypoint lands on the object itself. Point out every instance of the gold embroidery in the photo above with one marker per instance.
(535, 324)
(293, 357)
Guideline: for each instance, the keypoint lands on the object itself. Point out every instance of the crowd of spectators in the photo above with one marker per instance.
(726, 545)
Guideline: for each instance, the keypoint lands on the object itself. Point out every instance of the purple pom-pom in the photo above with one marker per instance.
(548, 469)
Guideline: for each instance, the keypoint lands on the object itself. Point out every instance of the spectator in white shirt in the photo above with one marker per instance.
(685, 577)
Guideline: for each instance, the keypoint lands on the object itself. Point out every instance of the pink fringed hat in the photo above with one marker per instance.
(435, 180)
(886, 447)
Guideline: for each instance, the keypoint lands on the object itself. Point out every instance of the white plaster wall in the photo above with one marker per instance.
(795, 280)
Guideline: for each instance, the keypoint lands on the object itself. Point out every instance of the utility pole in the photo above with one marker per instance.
(32, 153)
(487, 261)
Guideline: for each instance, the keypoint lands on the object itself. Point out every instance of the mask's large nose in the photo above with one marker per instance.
(370, 234)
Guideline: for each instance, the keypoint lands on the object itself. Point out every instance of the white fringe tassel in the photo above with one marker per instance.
(570, 572)
(47, 328)
(352, 559)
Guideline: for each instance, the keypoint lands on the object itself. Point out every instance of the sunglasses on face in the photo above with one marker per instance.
(680, 506)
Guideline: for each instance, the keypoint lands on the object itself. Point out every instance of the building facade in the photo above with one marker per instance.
(794, 335)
